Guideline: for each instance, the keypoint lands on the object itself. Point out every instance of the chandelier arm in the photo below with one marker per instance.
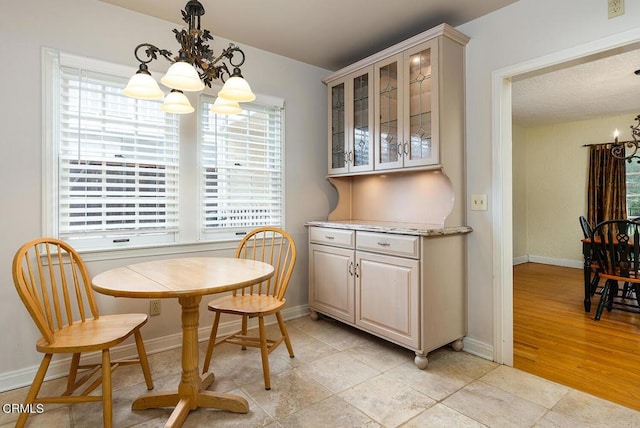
(635, 130)
(230, 53)
(152, 53)
(627, 150)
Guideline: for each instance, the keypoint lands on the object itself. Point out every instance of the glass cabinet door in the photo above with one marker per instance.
(361, 145)
(388, 138)
(337, 128)
(420, 145)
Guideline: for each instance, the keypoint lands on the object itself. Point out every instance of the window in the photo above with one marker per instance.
(241, 169)
(112, 164)
(633, 189)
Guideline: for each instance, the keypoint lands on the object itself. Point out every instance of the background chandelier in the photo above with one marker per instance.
(193, 68)
(627, 150)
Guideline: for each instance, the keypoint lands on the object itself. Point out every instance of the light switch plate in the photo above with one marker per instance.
(479, 203)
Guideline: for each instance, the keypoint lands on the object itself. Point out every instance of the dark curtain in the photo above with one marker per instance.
(607, 187)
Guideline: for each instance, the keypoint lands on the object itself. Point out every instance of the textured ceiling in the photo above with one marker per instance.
(598, 86)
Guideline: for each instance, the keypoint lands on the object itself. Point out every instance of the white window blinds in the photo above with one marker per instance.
(117, 160)
(241, 168)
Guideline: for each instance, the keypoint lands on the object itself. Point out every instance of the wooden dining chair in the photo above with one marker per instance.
(53, 283)
(276, 247)
(595, 278)
(616, 252)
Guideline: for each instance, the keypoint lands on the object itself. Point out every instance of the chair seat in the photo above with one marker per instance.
(93, 334)
(251, 304)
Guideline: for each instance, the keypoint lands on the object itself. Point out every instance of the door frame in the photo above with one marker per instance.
(502, 177)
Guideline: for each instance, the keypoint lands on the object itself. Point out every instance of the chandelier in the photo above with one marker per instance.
(627, 150)
(193, 68)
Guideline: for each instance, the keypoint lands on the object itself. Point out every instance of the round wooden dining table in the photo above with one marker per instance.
(187, 279)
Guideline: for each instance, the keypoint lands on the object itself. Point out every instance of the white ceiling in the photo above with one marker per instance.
(334, 33)
(327, 33)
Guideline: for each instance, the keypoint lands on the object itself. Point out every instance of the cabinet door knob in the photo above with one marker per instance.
(356, 271)
(351, 268)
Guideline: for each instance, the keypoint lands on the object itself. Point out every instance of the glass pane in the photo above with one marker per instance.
(388, 113)
(420, 104)
(361, 131)
(337, 126)
(633, 189)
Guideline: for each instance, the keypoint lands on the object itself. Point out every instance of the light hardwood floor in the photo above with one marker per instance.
(555, 339)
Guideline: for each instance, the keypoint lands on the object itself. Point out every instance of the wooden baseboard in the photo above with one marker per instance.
(529, 258)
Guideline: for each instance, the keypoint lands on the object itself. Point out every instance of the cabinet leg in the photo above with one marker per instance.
(314, 315)
(457, 345)
(421, 361)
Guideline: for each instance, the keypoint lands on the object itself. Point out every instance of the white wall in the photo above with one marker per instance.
(524, 31)
(556, 173)
(95, 29)
(519, 33)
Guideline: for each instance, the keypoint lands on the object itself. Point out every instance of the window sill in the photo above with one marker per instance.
(157, 250)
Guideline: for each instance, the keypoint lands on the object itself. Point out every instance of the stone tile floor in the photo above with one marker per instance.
(342, 377)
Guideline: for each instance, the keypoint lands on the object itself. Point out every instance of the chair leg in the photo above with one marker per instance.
(73, 371)
(107, 405)
(604, 296)
(211, 344)
(245, 322)
(144, 362)
(594, 283)
(613, 292)
(285, 333)
(264, 352)
(635, 289)
(35, 388)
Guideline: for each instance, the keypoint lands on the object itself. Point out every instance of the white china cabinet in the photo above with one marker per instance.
(390, 258)
(399, 106)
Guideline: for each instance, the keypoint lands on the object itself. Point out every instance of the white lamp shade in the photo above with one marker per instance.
(182, 76)
(176, 102)
(224, 106)
(143, 87)
(237, 89)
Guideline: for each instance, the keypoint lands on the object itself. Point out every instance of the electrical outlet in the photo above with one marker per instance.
(154, 307)
(479, 203)
(615, 8)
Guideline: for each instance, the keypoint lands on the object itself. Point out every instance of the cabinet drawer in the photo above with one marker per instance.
(398, 245)
(335, 237)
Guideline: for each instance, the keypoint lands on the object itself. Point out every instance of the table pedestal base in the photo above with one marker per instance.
(192, 391)
(183, 405)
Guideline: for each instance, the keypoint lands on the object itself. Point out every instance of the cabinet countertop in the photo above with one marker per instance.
(391, 227)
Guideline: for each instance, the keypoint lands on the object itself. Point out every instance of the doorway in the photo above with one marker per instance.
(502, 177)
